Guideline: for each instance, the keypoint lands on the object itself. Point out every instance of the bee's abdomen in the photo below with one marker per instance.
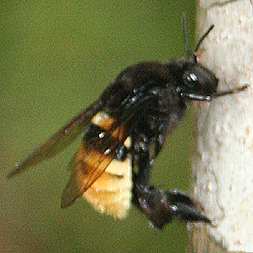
(111, 192)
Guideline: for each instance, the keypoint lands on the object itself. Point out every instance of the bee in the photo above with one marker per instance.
(124, 131)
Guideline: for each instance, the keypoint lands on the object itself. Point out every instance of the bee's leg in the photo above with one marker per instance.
(184, 207)
(161, 206)
(158, 205)
(160, 137)
(142, 160)
(143, 157)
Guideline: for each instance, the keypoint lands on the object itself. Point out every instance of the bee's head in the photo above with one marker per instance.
(196, 82)
(193, 80)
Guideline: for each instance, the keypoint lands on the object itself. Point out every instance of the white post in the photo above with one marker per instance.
(223, 164)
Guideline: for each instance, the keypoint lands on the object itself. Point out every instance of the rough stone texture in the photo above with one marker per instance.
(223, 165)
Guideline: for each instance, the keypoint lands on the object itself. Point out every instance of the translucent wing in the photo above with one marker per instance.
(90, 164)
(93, 159)
(59, 140)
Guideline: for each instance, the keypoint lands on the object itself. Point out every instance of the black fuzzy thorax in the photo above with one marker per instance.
(166, 107)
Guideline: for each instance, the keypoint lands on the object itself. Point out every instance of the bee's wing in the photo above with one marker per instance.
(93, 159)
(90, 164)
(59, 140)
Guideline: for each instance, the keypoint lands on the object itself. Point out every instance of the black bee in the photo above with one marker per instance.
(124, 131)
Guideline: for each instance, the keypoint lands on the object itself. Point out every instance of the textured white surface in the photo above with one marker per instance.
(223, 166)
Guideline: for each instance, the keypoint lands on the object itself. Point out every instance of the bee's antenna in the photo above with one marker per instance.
(187, 48)
(201, 39)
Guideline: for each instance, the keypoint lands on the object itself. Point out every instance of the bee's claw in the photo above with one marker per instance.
(162, 206)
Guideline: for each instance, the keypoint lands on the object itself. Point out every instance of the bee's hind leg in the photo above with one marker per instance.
(161, 206)
(158, 205)
(184, 207)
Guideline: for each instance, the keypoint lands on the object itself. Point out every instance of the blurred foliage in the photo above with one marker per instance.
(55, 58)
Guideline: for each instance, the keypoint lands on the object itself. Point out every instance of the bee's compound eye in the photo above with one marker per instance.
(190, 79)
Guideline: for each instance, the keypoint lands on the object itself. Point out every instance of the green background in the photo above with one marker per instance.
(55, 58)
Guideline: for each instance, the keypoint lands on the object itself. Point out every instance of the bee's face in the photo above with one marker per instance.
(198, 81)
